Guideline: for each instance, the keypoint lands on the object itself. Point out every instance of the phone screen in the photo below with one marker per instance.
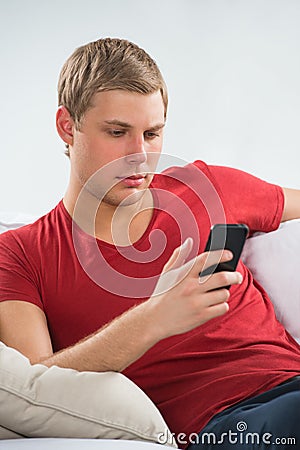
(226, 236)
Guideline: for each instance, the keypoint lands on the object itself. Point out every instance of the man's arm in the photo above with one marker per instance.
(114, 347)
(291, 204)
(111, 348)
(23, 326)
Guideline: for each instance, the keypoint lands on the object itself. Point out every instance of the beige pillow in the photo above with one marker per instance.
(56, 402)
(8, 434)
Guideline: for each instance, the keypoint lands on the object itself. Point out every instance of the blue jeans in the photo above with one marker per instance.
(268, 421)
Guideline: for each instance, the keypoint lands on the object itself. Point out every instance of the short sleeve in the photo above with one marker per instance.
(18, 278)
(249, 199)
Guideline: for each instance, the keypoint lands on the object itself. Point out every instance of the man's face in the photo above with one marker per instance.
(120, 134)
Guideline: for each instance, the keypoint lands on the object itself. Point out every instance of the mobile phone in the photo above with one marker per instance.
(226, 236)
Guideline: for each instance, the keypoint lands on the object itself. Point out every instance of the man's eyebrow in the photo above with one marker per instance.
(127, 125)
(159, 126)
(118, 123)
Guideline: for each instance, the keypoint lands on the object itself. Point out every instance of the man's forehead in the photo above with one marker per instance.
(127, 109)
(123, 96)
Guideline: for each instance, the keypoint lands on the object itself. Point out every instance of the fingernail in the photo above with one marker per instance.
(240, 278)
(228, 254)
(187, 242)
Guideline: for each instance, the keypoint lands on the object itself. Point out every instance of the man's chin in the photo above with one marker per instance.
(121, 195)
(124, 199)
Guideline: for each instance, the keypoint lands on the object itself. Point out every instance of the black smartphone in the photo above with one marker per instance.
(226, 236)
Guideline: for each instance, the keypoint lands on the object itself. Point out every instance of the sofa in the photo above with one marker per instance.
(54, 408)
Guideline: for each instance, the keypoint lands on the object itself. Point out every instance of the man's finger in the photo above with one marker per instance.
(207, 259)
(179, 255)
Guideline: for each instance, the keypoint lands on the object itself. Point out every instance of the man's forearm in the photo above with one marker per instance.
(114, 347)
(186, 304)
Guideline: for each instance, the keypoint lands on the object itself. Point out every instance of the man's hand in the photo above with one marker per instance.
(182, 300)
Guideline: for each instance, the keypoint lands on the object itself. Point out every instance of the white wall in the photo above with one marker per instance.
(232, 68)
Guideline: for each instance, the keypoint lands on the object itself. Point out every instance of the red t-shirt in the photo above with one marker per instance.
(190, 377)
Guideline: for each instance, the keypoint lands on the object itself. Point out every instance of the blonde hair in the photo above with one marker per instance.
(103, 65)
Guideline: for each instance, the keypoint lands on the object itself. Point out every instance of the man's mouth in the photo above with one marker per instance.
(133, 180)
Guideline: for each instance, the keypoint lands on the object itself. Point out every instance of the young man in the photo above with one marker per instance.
(83, 288)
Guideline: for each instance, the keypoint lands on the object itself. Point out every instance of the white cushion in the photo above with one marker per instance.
(11, 220)
(56, 402)
(274, 260)
(76, 444)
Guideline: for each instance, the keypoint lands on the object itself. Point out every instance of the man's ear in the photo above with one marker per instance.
(65, 125)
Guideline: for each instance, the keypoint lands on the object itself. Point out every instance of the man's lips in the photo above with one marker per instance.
(133, 180)
(133, 176)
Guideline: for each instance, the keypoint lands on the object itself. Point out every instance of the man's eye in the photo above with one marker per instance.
(151, 135)
(116, 133)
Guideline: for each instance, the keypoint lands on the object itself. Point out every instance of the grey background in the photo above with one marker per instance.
(232, 68)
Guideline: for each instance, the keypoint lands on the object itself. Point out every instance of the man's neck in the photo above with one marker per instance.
(121, 226)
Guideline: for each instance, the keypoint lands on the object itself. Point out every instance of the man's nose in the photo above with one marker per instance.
(136, 152)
